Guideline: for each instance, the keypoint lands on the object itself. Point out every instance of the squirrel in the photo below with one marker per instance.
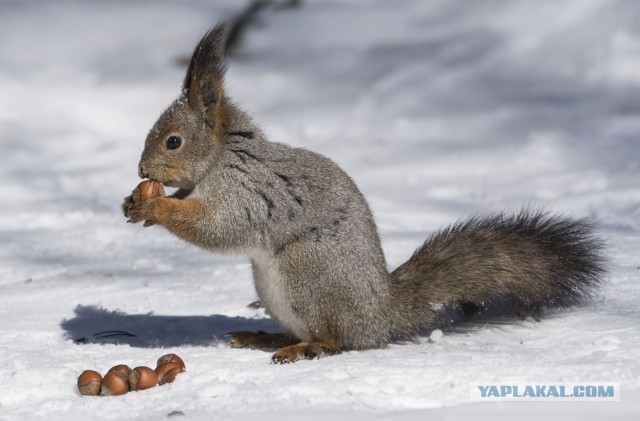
(316, 256)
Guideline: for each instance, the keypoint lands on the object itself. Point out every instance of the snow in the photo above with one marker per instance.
(438, 109)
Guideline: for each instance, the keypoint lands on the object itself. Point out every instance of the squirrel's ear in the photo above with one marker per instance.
(203, 84)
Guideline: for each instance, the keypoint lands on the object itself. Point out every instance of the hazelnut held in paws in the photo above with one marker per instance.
(149, 189)
(138, 206)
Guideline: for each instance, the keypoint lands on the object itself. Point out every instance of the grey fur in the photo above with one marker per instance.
(317, 261)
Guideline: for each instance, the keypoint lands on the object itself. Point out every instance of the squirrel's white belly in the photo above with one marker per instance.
(274, 293)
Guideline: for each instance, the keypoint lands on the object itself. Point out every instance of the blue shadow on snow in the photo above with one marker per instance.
(95, 325)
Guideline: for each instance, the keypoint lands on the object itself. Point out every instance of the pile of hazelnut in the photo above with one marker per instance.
(120, 379)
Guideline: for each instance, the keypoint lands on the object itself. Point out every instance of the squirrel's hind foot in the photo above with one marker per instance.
(261, 340)
(304, 351)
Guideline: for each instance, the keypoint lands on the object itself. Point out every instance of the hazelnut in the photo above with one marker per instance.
(149, 189)
(89, 383)
(114, 384)
(167, 372)
(121, 370)
(170, 376)
(170, 358)
(142, 378)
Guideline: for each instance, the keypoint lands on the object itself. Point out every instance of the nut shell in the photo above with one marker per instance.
(142, 378)
(170, 358)
(167, 372)
(89, 383)
(114, 384)
(149, 189)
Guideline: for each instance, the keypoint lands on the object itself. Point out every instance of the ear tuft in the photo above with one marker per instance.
(208, 55)
(203, 83)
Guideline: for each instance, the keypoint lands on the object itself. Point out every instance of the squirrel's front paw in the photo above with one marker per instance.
(130, 202)
(141, 211)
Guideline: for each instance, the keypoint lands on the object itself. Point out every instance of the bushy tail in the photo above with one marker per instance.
(531, 258)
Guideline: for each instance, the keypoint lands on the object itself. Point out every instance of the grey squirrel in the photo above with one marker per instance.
(316, 256)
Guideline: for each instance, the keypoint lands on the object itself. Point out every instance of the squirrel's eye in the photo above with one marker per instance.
(174, 142)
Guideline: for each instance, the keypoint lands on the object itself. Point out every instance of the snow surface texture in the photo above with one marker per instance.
(438, 109)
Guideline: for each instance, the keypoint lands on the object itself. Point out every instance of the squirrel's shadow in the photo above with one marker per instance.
(93, 324)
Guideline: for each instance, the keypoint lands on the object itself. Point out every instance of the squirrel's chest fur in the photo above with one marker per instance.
(274, 293)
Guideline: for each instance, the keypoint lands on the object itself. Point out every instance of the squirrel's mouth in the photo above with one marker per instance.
(169, 177)
(176, 191)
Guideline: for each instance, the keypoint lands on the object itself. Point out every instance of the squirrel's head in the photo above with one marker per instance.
(183, 142)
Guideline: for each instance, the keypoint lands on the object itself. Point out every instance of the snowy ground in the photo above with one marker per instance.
(438, 109)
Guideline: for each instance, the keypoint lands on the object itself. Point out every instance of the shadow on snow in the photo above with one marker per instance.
(95, 325)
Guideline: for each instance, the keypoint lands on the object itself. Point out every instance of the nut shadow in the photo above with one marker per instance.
(96, 325)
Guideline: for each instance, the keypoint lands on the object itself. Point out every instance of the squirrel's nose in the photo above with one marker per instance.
(141, 172)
